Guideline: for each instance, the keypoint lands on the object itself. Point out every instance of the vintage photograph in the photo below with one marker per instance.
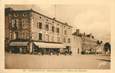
(57, 36)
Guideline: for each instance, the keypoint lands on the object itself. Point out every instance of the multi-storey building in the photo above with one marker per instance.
(76, 43)
(84, 43)
(27, 29)
(89, 43)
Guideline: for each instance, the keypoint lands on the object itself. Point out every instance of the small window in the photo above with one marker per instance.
(69, 40)
(17, 35)
(58, 39)
(40, 36)
(65, 32)
(39, 25)
(64, 40)
(13, 23)
(14, 35)
(47, 27)
(40, 17)
(57, 30)
(52, 28)
(24, 22)
(47, 37)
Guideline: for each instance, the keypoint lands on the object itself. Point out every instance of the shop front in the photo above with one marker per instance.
(19, 47)
(47, 48)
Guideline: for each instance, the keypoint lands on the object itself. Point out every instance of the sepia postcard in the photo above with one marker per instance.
(56, 36)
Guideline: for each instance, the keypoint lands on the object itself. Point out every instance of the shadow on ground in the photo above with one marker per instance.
(104, 60)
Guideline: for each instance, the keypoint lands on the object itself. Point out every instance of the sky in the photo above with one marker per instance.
(93, 19)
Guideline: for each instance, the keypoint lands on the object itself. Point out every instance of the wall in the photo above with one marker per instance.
(76, 45)
(53, 36)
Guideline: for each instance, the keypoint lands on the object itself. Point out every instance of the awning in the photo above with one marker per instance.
(49, 45)
(18, 44)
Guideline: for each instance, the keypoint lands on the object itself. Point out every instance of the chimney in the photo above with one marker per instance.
(54, 18)
(77, 31)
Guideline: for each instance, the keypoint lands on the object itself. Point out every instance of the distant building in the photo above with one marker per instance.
(28, 29)
(85, 43)
(89, 43)
(76, 43)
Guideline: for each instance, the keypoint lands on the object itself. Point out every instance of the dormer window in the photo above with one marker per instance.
(15, 14)
(24, 14)
(40, 17)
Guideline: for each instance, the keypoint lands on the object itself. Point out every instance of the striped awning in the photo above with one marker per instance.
(18, 44)
(49, 45)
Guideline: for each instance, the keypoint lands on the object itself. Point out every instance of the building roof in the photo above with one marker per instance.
(51, 18)
(83, 34)
(31, 10)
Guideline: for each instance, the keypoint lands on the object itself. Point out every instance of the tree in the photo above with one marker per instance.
(107, 47)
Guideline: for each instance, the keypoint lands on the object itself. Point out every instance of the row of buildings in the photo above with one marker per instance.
(30, 31)
(86, 43)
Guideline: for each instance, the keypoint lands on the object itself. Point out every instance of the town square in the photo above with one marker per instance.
(69, 37)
